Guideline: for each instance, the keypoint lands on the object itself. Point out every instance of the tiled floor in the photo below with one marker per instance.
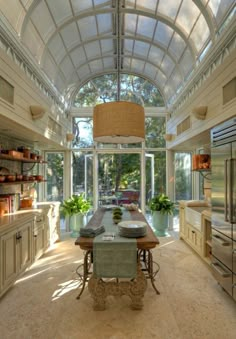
(43, 303)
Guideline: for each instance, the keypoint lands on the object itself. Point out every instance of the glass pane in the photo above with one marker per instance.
(54, 176)
(119, 179)
(155, 131)
(183, 176)
(158, 161)
(83, 174)
(83, 131)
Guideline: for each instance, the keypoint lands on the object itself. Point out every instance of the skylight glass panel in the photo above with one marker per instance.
(163, 34)
(161, 78)
(70, 35)
(83, 71)
(108, 63)
(67, 67)
(175, 79)
(78, 56)
(87, 27)
(126, 63)
(96, 66)
(146, 26)
(200, 33)
(149, 5)
(214, 6)
(57, 48)
(187, 15)
(107, 46)
(167, 65)
(177, 45)
(49, 67)
(81, 5)
(46, 26)
(92, 49)
(130, 23)
(186, 62)
(222, 9)
(104, 23)
(137, 66)
(141, 48)
(150, 70)
(128, 45)
(61, 11)
(169, 10)
(33, 41)
(156, 54)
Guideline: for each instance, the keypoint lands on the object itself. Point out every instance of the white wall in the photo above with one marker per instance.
(27, 93)
(210, 94)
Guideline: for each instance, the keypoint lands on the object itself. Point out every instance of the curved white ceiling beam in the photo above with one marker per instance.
(209, 17)
(137, 38)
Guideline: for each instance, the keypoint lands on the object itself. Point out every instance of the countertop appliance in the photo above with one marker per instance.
(223, 166)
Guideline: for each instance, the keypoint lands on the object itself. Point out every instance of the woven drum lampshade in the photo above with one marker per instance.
(119, 122)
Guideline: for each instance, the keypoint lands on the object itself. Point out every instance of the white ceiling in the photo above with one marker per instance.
(73, 41)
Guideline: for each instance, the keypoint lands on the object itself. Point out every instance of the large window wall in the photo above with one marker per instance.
(115, 173)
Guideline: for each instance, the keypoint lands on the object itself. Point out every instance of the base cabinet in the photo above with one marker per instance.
(198, 238)
(16, 254)
(39, 234)
(194, 238)
(24, 239)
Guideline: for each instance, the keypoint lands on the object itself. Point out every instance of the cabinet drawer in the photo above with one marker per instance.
(194, 238)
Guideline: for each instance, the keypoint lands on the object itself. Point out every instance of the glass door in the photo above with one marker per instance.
(119, 178)
(54, 176)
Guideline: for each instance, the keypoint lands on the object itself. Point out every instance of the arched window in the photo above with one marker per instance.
(132, 88)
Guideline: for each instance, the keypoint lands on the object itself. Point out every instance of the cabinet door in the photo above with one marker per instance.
(9, 259)
(25, 246)
(182, 222)
(39, 240)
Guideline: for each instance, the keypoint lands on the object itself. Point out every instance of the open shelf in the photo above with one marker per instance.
(11, 158)
(7, 183)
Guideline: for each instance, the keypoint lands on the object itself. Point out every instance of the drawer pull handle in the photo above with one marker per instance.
(221, 240)
(219, 269)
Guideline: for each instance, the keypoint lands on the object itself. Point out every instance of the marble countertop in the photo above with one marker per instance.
(12, 219)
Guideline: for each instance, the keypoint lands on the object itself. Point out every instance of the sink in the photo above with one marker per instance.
(193, 215)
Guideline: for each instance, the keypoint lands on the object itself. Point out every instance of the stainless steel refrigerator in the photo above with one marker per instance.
(223, 166)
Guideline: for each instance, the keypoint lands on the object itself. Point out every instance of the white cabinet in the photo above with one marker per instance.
(16, 253)
(39, 231)
(198, 233)
(24, 237)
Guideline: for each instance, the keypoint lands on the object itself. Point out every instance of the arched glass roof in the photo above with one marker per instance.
(74, 41)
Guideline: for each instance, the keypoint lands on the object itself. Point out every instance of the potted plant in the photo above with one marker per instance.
(161, 207)
(75, 207)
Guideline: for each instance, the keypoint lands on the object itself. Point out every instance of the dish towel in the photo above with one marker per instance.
(116, 258)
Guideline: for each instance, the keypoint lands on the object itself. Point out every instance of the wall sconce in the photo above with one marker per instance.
(169, 137)
(200, 112)
(37, 112)
(69, 137)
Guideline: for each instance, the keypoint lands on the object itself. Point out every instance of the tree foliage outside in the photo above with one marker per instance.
(55, 176)
(132, 88)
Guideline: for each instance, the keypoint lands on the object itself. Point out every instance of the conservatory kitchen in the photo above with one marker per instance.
(107, 110)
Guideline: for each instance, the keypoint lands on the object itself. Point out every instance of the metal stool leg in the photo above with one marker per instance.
(86, 266)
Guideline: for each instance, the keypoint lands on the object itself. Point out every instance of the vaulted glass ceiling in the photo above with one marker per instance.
(74, 41)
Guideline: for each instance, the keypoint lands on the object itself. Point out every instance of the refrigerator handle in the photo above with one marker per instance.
(232, 183)
(226, 191)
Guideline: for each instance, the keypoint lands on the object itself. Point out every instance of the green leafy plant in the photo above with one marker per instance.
(74, 205)
(162, 204)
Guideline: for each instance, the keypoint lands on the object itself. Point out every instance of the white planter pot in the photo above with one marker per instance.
(160, 223)
(76, 222)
